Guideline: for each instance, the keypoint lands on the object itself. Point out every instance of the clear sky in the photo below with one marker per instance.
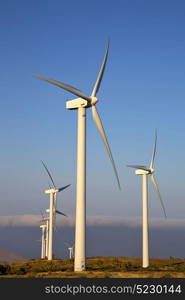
(143, 88)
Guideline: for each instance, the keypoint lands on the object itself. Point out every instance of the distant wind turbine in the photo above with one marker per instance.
(144, 171)
(43, 245)
(45, 220)
(81, 104)
(52, 210)
(70, 250)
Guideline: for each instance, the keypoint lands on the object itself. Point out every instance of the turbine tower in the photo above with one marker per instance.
(144, 171)
(43, 245)
(47, 236)
(46, 220)
(81, 104)
(52, 211)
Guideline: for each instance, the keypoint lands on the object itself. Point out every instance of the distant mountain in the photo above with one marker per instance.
(6, 256)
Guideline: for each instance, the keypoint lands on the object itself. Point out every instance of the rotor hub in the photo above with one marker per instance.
(151, 170)
(94, 100)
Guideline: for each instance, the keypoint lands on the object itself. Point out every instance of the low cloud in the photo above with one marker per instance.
(35, 220)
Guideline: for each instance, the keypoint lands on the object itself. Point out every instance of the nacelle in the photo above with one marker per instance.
(43, 226)
(141, 172)
(51, 191)
(76, 103)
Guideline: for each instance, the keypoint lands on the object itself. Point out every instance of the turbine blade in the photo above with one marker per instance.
(99, 125)
(60, 213)
(154, 152)
(153, 180)
(138, 167)
(48, 174)
(63, 188)
(100, 75)
(64, 86)
(42, 215)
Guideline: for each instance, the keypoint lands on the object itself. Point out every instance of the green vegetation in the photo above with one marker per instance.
(100, 267)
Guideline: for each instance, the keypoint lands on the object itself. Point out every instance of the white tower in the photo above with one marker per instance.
(145, 249)
(51, 192)
(43, 246)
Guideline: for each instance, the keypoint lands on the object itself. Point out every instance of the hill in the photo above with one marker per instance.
(6, 256)
(97, 267)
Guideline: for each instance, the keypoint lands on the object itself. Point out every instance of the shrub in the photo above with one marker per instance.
(99, 262)
(4, 269)
(21, 271)
(115, 260)
(128, 266)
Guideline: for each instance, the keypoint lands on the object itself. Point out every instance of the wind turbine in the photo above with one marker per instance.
(52, 210)
(144, 171)
(46, 237)
(71, 250)
(43, 244)
(46, 220)
(81, 104)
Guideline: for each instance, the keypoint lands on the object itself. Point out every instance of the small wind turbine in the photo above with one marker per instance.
(81, 104)
(43, 244)
(144, 171)
(46, 220)
(70, 250)
(52, 211)
(47, 236)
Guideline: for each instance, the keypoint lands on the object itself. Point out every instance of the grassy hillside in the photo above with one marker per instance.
(10, 257)
(100, 267)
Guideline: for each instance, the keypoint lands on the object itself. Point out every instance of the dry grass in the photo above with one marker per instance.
(97, 267)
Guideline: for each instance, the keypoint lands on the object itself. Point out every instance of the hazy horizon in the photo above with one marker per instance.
(106, 236)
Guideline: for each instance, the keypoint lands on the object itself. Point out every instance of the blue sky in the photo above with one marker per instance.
(142, 89)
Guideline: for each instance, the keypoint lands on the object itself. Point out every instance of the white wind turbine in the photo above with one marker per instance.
(144, 171)
(70, 250)
(46, 235)
(81, 104)
(52, 211)
(46, 220)
(43, 243)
